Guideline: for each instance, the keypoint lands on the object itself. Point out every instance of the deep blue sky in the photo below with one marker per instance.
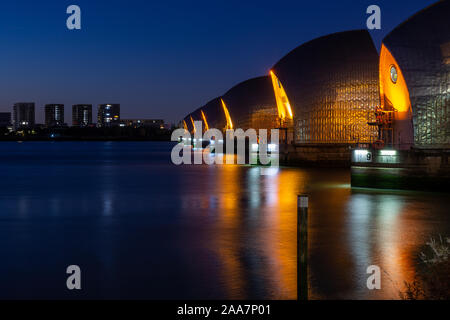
(161, 59)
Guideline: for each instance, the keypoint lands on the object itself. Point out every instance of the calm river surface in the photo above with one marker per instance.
(141, 227)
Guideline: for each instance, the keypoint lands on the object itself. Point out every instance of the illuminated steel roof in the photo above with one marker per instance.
(421, 47)
(252, 104)
(332, 86)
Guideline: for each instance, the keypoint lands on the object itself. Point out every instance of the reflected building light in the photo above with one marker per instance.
(359, 236)
(272, 171)
(390, 207)
(107, 205)
(254, 187)
(392, 240)
(271, 181)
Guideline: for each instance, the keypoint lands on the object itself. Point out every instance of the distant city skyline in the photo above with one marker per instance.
(161, 60)
(23, 114)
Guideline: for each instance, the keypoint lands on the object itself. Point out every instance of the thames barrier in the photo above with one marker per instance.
(340, 103)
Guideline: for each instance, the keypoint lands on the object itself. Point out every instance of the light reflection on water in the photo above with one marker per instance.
(141, 227)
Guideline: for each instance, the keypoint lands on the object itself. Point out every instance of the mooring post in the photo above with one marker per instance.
(302, 247)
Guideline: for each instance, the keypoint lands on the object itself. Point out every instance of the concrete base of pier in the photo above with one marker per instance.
(415, 169)
(316, 155)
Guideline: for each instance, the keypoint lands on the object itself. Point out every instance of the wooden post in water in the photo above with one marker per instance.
(302, 247)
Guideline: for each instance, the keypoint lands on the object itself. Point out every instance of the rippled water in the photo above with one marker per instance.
(140, 227)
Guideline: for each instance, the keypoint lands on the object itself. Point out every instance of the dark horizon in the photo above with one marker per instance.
(161, 60)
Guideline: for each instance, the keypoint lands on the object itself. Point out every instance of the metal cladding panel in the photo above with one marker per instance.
(332, 85)
(252, 104)
(421, 46)
(197, 116)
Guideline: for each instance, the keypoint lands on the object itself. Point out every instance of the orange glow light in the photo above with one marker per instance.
(283, 105)
(193, 124)
(185, 125)
(394, 93)
(227, 116)
(204, 120)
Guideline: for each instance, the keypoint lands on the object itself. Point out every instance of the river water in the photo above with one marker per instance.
(140, 227)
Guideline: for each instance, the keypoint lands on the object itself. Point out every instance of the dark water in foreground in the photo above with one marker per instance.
(140, 227)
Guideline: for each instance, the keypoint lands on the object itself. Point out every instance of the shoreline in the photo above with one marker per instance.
(89, 139)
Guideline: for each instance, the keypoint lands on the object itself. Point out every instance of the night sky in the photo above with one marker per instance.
(161, 59)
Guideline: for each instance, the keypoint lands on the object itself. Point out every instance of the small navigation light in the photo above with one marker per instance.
(361, 152)
(272, 147)
(388, 152)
